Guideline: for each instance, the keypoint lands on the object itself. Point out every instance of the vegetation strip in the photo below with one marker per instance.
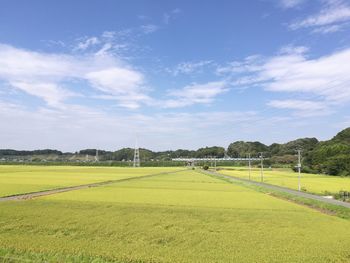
(282, 189)
(72, 188)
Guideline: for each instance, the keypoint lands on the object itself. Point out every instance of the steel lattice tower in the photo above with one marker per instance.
(136, 156)
(96, 156)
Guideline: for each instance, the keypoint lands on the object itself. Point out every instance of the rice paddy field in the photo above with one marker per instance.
(186, 216)
(21, 179)
(312, 183)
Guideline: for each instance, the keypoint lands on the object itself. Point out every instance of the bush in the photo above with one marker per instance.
(205, 167)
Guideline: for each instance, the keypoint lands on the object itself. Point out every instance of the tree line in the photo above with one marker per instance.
(329, 157)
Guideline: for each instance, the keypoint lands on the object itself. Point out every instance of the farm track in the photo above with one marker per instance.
(280, 189)
(32, 195)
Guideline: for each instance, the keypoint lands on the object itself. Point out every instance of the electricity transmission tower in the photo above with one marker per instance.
(299, 169)
(136, 156)
(96, 156)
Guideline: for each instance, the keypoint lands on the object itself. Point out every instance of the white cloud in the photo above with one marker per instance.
(42, 75)
(116, 80)
(333, 16)
(323, 78)
(52, 78)
(195, 94)
(125, 84)
(20, 64)
(52, 94)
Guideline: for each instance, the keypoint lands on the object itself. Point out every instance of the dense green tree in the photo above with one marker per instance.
(242, 149)
(214, 151)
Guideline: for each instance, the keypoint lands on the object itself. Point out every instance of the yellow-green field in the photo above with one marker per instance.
(25, 179)
(313, 183)
(180, 217)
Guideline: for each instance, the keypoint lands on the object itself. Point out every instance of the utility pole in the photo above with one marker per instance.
(299, 169)
(262, 167)
(250, 167)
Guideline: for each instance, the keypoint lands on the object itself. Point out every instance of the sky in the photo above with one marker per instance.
(172, 74)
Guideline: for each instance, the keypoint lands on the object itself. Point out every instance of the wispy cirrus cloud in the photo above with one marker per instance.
(115, 42)
(190, 67)
(333, 16)
(86, 43)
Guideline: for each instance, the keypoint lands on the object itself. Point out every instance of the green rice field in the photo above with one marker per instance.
(185, 216)
(313, 183)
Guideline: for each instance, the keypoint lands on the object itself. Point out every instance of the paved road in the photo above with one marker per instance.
(77, 187)
(282, 189)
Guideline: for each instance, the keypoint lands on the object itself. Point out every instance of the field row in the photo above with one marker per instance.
(180, 217)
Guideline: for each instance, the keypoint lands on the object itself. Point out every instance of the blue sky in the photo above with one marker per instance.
(175, 74)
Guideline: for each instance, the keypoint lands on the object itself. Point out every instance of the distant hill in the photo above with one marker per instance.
(342, 137)
(333, 156)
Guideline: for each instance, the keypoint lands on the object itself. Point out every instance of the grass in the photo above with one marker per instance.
(181, 217)
(312, 183)
(19, 179)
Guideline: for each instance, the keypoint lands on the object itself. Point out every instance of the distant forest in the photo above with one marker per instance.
(329, 157)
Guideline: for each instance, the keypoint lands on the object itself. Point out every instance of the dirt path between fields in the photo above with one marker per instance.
(76, 187)
(281, 189)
